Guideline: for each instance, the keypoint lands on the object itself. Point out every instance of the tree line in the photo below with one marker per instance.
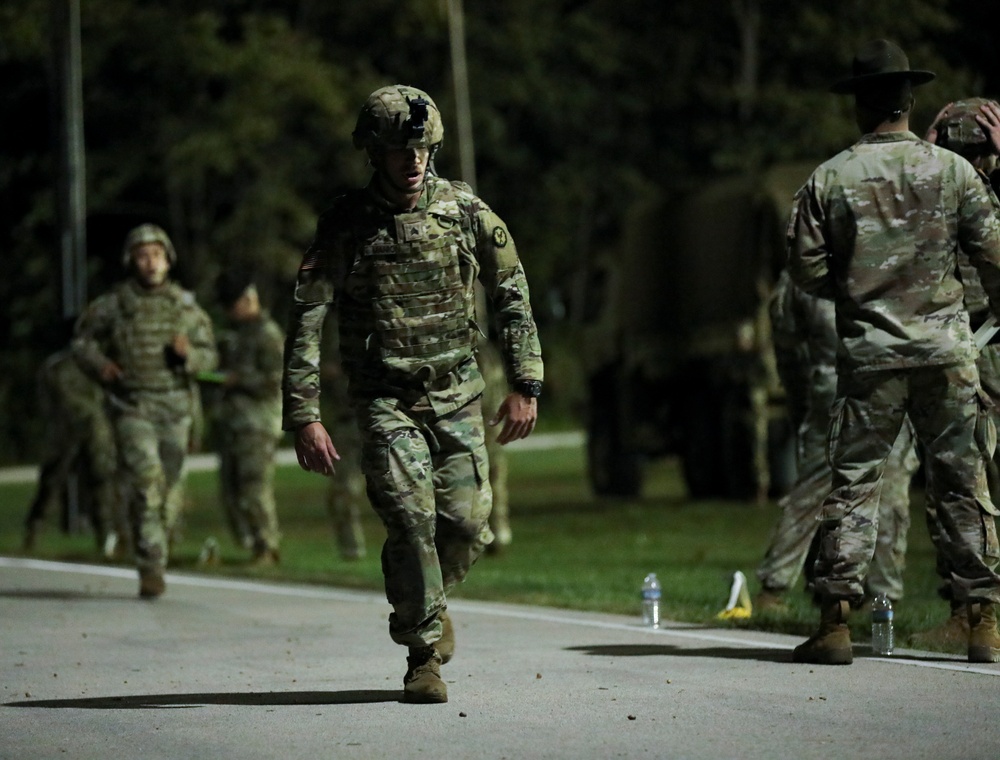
(228, 122)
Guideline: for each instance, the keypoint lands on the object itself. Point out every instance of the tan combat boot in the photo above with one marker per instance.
(151, 583)
(984, 640)
(445, 646)
(952, 634)
(422, 683)
(831, 644)
(264, 557)
(770, 601)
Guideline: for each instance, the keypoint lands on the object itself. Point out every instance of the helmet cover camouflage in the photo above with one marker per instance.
(147, 233)
(398, 116)
(959, 131)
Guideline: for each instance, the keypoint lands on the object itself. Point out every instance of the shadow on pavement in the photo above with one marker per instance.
(667, 650)
(48, 595)
(155, 701)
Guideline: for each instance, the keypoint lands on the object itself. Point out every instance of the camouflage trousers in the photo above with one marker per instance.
(346, 491)
(428, 481)
(988, 365)
(951, 423)
(85, 448)
(153, 432)
(246, 480)
(500, 513)
(788, 552)
(491, 367)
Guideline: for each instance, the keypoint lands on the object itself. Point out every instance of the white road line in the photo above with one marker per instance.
(484, 608)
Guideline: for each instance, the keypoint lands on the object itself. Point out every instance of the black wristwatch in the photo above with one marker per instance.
(528, 388)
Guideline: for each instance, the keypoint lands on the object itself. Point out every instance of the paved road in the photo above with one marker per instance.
(221, 669)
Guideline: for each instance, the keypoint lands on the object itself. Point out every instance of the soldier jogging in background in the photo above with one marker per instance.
(78, 440)
(247, 419)
(805, 346)
(398, 260)
(345, 493)
(491, 367)
(970, 128)
(876, 229)
(146, 340)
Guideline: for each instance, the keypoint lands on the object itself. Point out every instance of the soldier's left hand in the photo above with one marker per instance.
(518, 413)
(989, 120)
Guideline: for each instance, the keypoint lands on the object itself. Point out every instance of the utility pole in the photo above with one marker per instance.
(72, 199)
(460, 81)
(463, 115)
(72, 166)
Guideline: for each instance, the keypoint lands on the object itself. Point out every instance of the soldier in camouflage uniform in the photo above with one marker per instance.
(876, 229)
(145, 340)
(398, 260)
(248, 414)
(345, 493)
(805, 343)
(971, 128)
(79, 438)
(491, 368)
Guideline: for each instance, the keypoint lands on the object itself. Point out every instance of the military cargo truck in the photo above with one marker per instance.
(678, 353)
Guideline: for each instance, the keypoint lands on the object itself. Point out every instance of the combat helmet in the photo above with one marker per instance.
(398, 116)
(960, 132)
(147, 233)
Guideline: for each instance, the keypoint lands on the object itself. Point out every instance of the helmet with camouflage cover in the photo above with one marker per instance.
(398, 116)
(147, 233)
(960, 132)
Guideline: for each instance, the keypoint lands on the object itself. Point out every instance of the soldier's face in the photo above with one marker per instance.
(404, 169)
(151, 264)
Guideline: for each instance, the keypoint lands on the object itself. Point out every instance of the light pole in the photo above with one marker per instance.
(72, 205)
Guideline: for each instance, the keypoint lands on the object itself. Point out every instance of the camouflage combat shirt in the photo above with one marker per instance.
(252, 351)
(133, 327)
(876, 228)
(403, 287)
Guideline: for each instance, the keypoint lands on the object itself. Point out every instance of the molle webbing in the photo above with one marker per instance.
(150, 324)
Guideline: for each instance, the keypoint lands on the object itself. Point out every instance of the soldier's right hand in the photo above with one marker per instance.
(111, 373)
(315, 449)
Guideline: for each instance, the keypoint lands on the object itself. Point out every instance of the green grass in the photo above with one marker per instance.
(570, 549)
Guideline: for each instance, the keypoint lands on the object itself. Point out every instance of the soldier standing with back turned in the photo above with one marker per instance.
(398, 259)
(877, 229)
(145, 341)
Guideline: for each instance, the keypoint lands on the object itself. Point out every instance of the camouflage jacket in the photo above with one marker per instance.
(251, 353)
(352, 265)
(133, 327)
(804, 332)
(68, 397)
(976, 301)
(877, 228)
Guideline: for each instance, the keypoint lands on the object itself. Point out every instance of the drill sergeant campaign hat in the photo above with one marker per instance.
(398, 116)
(882, 78)
(959, 131)
(147, 233)
(880, 62)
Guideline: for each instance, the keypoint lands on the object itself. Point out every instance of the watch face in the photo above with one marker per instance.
(529, 388)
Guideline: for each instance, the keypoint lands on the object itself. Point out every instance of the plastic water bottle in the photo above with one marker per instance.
(882, 625)
(651, 593)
